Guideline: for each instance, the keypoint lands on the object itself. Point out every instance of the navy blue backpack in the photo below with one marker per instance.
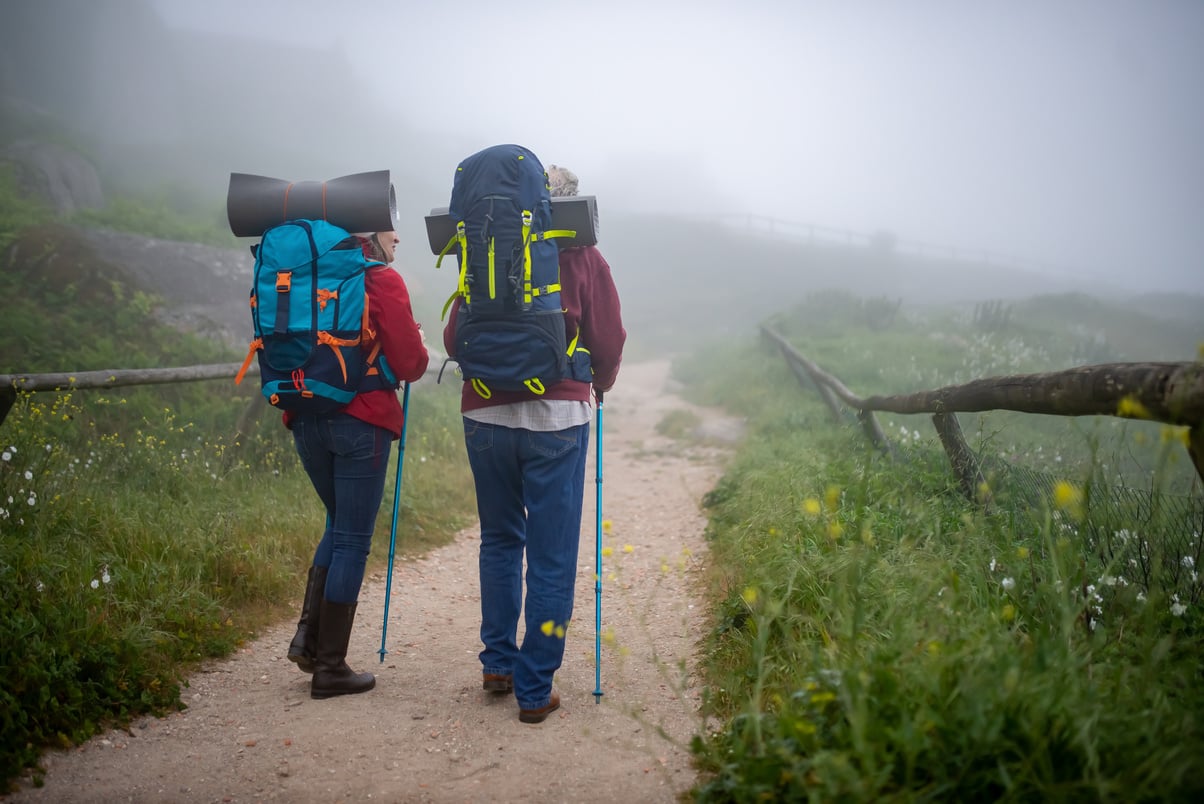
(309, 313)
(510, 330)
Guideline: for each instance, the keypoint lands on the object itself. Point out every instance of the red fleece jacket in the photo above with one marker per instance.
(591, 302)
(391, 318)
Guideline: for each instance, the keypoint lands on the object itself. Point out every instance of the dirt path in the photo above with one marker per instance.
(428, 733)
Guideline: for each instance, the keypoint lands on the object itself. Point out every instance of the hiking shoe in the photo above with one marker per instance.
(497, 683)
(540, 714)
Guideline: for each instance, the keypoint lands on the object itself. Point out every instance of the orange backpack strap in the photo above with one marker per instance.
(256, 345)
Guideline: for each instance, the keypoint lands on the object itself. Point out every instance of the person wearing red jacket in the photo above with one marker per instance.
(528, 455)
(346, 454)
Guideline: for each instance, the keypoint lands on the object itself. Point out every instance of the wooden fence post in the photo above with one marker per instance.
(8, 398)
(869, 423)
(961, 457)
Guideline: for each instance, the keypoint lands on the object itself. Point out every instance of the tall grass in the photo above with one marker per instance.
(877, 637)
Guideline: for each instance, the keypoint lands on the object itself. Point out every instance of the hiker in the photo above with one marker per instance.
(346, 453)
(527, 452)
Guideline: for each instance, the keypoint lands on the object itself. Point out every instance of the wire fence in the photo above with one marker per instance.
(1152, 537)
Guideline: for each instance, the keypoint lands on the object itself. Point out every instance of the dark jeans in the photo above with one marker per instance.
(346, 460)
(529, 488)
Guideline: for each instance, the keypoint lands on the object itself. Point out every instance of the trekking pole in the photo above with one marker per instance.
(598, 563)
(401, 453)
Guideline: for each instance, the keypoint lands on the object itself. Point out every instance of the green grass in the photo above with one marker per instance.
(877, 637)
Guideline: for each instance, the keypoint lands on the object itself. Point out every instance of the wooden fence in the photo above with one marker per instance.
(12, 384)
(1171, 393)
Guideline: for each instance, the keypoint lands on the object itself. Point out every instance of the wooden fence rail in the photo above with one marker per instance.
(10, 384)
(1171, 393)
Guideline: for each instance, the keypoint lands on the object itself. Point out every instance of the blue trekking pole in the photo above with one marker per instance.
(401, 453)
(598, 562)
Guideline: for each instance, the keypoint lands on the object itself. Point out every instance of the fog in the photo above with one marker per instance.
(1064, 136)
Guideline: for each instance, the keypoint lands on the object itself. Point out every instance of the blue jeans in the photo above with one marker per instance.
(346, 460)
(529, 489)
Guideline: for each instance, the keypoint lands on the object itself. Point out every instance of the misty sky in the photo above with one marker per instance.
(1064, 132)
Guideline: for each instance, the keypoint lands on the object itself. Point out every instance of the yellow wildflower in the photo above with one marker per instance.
(1008, 613)
(607, 551)
(1131, 408)
(811, 506)
(627, 548)
(832, 497)
(1022, 552)
(607, 525)
(1068, 497)
(1180, 434)
(548, 627)
(750, 595)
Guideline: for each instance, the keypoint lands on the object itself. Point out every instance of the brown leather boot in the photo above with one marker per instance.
(304, 648)
(332, 676)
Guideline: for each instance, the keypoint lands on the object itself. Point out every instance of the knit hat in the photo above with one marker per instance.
(562, 181)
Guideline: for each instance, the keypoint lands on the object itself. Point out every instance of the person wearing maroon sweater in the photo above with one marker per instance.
(527, 455)
(345, 454)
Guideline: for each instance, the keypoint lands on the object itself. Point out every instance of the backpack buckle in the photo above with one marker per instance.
(284, 281)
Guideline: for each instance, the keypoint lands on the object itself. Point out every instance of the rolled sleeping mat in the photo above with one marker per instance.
(577, 212)
(361, 202)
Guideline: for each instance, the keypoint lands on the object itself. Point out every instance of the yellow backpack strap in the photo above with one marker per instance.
(534, 386)
(573, 343)
(447, 305)
(551, 233)
(458, 237)
(481, 388)
(527, 217)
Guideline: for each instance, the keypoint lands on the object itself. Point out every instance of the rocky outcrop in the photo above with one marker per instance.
(204, 289)
(58, 176)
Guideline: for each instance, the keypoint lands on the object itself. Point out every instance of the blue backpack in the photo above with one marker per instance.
(510, 330)
(309, 313)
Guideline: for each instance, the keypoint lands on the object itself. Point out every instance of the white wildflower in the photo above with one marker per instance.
(6, 455)
(993, 565)
(1007, 583)
(33, 499)
(39, 586)
(1177, 608)
(95, 584)
(28, 475)
(1188, 562)
(105, 577)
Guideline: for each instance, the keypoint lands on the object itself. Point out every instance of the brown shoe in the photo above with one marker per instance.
(540, 714)
(493, 682)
